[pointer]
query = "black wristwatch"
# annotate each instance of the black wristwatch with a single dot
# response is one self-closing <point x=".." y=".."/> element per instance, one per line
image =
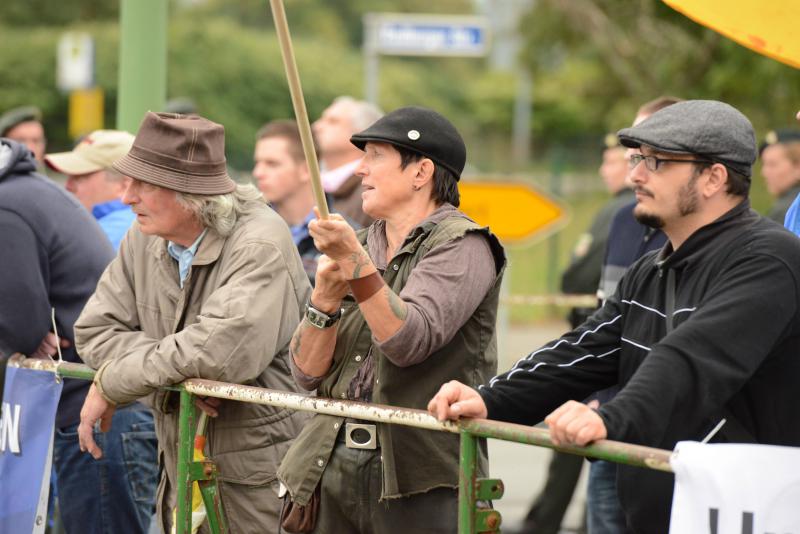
<point x="321" y="319"/>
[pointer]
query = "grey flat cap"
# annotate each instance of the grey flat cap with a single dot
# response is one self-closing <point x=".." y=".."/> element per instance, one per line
<point x="706" y="128"/>
<point x="15" y="116"/>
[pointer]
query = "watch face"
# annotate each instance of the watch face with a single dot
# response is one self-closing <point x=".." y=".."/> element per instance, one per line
<point x="317" y="318"/>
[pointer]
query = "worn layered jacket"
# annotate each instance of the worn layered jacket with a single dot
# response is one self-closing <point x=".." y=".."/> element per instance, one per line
<point x="232" y="321"/>
<point x="694" y="335"/>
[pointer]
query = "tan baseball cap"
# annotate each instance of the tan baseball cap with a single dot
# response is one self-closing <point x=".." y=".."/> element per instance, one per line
<point x="97" y="151"/>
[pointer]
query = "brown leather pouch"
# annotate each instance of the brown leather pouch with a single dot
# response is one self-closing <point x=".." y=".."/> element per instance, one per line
<point x="296" y="519"/>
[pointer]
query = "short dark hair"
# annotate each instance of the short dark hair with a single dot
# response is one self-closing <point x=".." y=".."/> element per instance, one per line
<point x="445" y="185"/>
<point x="738" y="184"/>
<point x="287" y="129"/>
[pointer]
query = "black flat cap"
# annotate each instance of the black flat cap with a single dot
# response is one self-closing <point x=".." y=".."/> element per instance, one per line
<point x="706" y="128"/>
<point x="776" y="137"/>
<point x="420" y="130"/>
<point x="15" y="116"/>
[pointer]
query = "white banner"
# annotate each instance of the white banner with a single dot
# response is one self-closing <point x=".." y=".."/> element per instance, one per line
<point x="735" y="488"/>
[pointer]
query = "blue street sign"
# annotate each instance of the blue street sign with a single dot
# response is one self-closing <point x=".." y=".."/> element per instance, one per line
<point x="430" y="36"/>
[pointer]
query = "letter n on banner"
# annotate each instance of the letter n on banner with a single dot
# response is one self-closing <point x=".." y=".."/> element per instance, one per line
<point x="732" y="488"/>
<point x="30" y="399"/>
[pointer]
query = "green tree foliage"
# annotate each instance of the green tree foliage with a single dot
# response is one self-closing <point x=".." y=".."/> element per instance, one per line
<point x="16" y="13"/>
<point x="595" y="61"/>
<point x="235" y="76"/>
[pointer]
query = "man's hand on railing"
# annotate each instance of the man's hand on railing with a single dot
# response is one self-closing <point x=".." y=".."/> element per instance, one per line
<point x="95" y="408"/>
<point x="208" y="404"/>
<point x="575" y="423"/>
<point x="48" y="347"/>
<point x="455" y="400"/>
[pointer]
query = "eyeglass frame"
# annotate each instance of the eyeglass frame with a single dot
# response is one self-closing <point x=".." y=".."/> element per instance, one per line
<point x="636" y="159"/>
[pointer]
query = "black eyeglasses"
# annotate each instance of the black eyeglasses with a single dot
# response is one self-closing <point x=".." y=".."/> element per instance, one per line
<point x="653" y="163"/>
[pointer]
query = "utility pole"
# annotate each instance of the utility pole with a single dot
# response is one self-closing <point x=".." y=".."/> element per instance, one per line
<point x="142" y="61"/>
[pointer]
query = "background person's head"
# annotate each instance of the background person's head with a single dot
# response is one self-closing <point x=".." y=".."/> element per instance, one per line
<point x="344" y="117"/>
<point x="179" y="179"/>
<point x="652" y="106"/>
<point x="412" y="155"/>
<point x="780" y="161"/>
<point x="614" y="168"/>
<point x="24" y="125"/>
<point x="90" y="176"/>
<point x="280" y="167"/>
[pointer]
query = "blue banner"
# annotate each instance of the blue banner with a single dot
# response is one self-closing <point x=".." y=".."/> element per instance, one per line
<point x="30" y="399"/>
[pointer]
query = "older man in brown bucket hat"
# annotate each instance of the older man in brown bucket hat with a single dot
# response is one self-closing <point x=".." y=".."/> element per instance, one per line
<point x="207" y="284"/>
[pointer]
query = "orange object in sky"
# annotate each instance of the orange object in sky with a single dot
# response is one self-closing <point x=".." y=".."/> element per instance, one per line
<point x="768" y="27"/>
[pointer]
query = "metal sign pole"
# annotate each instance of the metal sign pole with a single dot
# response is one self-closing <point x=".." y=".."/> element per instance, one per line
<point x="285" y="40"/>
<point x="371" y="59"/>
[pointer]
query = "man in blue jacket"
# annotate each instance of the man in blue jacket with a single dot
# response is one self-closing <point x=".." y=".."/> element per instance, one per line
<point x="96" y="184"/>
<point x="706" y="329"/>
<point x="53" y="253"/>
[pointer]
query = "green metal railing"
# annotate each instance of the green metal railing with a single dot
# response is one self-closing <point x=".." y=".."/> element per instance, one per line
<point x="471" y="518"/>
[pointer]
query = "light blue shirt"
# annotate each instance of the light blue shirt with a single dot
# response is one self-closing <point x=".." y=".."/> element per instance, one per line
<point x="114" y="218"/>
<point x="184" y="256"/>
<point x="300" y="231"/>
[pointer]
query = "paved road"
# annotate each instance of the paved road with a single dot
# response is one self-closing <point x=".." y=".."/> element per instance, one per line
<point x="523" y="467"/>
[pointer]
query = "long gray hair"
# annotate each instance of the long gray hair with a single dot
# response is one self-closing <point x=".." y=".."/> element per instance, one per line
<point x="220" y="212"/>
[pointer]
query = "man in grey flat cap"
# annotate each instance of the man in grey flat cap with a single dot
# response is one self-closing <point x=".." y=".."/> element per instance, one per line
<point x="208" y="284"/>
<point x="707" y="328"/>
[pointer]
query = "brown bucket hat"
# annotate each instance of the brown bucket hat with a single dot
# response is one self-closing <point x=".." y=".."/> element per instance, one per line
<point x="179" y="152"/>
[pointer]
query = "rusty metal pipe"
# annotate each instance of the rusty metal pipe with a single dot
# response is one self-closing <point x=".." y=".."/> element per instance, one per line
<point x="614" y="451"/>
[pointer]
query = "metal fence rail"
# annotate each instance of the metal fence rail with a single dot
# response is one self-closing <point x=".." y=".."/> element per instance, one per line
<point x="471" y="489"/>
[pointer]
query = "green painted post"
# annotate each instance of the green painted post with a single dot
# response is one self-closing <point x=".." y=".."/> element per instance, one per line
<point x="186" y="425"/>
<point x="466" y="483"/>
<point x="142" y="61"/>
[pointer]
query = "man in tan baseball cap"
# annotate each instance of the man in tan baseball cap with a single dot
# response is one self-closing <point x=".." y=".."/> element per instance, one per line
<point x="94" y="182"/>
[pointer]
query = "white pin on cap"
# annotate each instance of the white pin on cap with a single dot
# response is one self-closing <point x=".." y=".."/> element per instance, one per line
<point x="413" y="135"/>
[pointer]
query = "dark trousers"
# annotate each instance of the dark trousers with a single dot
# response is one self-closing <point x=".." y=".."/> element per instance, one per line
<point x="547" y="511"/>
<point x="349" y="500"/>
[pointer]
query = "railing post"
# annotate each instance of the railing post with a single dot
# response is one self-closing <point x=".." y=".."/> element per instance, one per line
<point x="186" y="425"/>
<point x="466" y="483"/>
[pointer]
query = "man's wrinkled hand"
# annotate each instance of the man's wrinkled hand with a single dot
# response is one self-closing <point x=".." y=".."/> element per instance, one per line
<point x="209" y="405"/>
<point x="455" y="400"/>
<point x="49" y="346"/>
<point x="95" y="408"/>
<point x="575" y="423"/>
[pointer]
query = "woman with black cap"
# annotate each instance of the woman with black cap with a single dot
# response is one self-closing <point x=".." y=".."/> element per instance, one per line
<point x="398" y="308"/>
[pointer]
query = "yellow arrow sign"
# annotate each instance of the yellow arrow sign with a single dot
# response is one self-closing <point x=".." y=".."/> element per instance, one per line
<point x="769" y="28"/>
<point x="515" y="211"/>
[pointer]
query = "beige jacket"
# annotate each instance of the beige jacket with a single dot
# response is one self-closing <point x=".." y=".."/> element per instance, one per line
<point x="232" y="321"/>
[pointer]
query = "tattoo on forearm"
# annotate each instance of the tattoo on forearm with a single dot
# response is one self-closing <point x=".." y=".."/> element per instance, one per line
<point x="361" y="259"/>
<point x="397" y="305"/>
<point x="294" y="347"/>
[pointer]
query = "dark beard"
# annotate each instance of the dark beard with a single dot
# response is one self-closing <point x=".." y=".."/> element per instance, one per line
<point x="648" y="219"/>
<point x="688" y="199"/>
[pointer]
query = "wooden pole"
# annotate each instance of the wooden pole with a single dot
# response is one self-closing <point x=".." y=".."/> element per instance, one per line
<point x="285" y="40"/>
